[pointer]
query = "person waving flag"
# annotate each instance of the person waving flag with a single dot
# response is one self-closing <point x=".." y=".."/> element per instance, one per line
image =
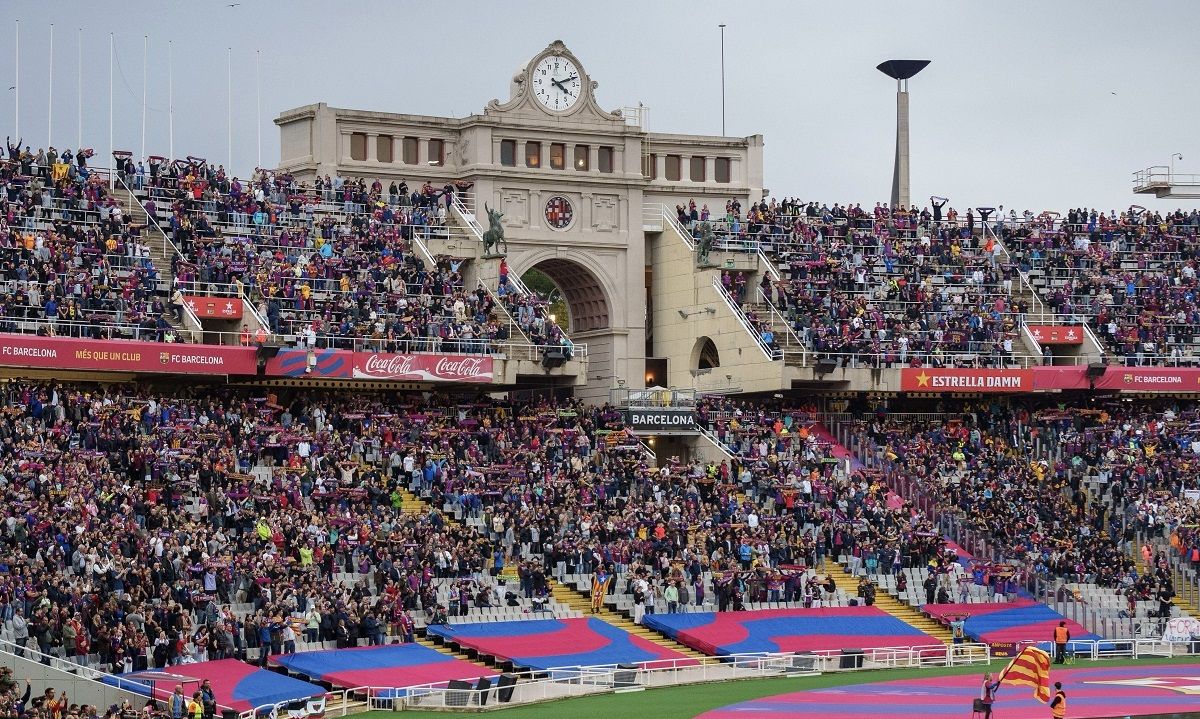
<point x="1031" y="668"/>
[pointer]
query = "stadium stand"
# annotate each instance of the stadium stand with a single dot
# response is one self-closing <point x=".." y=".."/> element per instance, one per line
<point x="312" y="530"/>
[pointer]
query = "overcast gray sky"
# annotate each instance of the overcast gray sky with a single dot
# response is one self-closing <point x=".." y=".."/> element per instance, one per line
<point x="1034" y="104"/>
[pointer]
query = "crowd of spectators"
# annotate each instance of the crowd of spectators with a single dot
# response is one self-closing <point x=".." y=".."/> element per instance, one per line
<point x="1063" y="492"/>
<point x="1131" y="275"/>
<point x="332" y="264"/>
<point x="74" y="263"/>
<point x="139" y="521"/>
<point x="857" y="282"/>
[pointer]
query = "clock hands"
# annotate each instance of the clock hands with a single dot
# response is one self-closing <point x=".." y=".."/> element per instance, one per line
<point x="560" y="86"/>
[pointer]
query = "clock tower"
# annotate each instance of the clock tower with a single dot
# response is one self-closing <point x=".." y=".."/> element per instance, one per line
<point x="555" y="83"/>
<point x="581" y="190"/>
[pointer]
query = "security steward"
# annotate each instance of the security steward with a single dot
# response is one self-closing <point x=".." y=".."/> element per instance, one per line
<point x="1062" y="635"/>
<point x="1058" y="705"/>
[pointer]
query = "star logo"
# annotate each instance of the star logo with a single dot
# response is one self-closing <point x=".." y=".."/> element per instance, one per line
<point x="1071" y="335"/>
<point x="228" y="308"/>
<point x="1182" y="685"/>
<point x="923" y="379"/>
<point x="1037" y="334"/>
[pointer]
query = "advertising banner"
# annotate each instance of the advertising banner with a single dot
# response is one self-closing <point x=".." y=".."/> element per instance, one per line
<point x="344" y="364"/>
<point x="1150" y="379"/>
<point x="222" y="308"/>
<point x="933" y="379"/>
<point x="294" y="362"/>
<point x="422" y="368"/>
<point x="660" y="419"/>
<point x="1057" y="334"/>
<point x="124" y="356"/>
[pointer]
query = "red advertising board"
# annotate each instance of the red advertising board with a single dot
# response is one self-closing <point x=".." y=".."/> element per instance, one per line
<point x="224" y="308"/>
<point x="1070" y="377"/>
<point x="124" y="356"/>
<point x="1057" y="334"/>
<point x="1150" y="379"/>
<point x="1117" y="378"/>
<point x="422" y="368"/>
<point x="933" y="379"/>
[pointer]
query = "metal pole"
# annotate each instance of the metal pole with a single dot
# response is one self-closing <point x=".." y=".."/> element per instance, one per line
<point x="722" y="26"/>
<point x="171" y="98"/>
<point x="17" y="84"/>
<point x="111" y="174"/>
<point x="229" y="108"/>
<point x="79" y="97"/>
<point x="258" y="90"/>
<point x="50" y="93"/>
<point x="145" y="66"/>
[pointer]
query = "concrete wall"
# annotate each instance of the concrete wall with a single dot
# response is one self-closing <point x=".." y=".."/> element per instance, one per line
<point x="680" y="285"/>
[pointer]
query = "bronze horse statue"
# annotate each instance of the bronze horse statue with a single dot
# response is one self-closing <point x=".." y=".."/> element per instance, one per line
<point x="494" y="236"/>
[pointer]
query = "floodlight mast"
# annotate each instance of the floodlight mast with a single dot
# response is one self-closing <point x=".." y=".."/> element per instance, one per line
<point x="901" y="71"/>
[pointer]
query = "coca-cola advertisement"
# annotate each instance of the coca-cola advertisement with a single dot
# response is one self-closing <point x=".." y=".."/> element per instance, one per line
<point x="423" y="368"/>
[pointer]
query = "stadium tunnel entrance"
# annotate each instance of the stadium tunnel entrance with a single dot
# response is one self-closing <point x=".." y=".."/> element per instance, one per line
<point x="588" y="308"/>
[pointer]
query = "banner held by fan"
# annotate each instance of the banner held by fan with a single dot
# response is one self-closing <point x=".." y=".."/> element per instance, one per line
<point x="1030" y="668"/>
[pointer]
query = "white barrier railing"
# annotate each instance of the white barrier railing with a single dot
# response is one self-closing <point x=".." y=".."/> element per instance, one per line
<point x="744" y="321"/>
<point x="1098" y="649"/>
<point x="715" y="441"/>
<point x="564" y="682"/>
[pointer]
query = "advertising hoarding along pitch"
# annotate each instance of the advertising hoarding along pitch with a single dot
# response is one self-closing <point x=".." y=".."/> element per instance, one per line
<point x="936" y="379"/>
<point x="124" y="356"/>
<point x="343" y="364"/>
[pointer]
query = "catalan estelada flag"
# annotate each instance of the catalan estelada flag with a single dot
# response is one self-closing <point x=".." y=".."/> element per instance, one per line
<point x="1030" y="668"/>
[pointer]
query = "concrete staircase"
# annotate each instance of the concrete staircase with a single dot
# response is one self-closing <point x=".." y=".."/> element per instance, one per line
<point x="160" y="257"/>
<point x="415" y="507"/>
<point x="904" y="612"/>
<point x="1186" y="605"/>
<point x="581" y="602"/>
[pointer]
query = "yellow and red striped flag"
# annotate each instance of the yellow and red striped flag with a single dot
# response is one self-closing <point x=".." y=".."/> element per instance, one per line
<point x="1030" y="668"/>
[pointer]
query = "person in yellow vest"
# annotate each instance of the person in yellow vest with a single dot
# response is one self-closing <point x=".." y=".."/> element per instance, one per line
<point x="1058" y="705"/>
<point x="195" y="708"/>
<point x="1062" y="635"/>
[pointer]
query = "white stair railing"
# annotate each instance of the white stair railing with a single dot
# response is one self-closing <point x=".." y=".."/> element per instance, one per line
<point x="744" y="321"/>
<point x="714" y="441"/>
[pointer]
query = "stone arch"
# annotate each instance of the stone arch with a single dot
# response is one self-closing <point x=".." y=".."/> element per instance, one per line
<point x="583" y="288"/>
<point x="704" y="354"/>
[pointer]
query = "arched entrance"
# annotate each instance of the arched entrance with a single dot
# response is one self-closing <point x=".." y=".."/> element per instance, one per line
<point x="596" y="288"/>
<point x="705" y="355"/>
<point x="586" y="300"/>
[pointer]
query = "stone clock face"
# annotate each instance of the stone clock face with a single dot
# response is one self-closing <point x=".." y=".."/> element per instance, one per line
<point x="559" y="212"/>
<point x="556" y="83"/>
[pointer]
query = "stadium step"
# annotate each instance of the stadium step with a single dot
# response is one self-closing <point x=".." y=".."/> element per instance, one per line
<point x="462" y="656"/>
<point x="582" y="603"/>
<point x="1185" y="605"/>
<point x="156" y="241"/>
<point x="904" y="612"/>
<point x="412" y="504"/>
